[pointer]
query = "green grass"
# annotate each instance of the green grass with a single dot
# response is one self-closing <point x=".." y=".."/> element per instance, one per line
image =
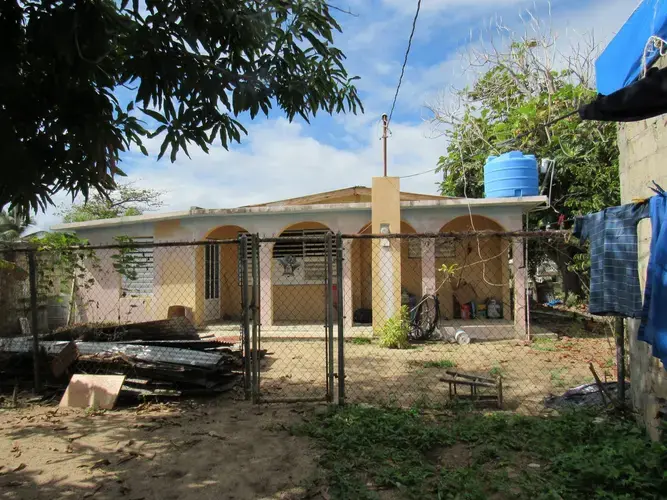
<point x="558" y="377"/>
<point x="443" y="363"/>
<point x="361" y="341"/>
<point x="543" y="344"/>
<point x="475" y="456"/>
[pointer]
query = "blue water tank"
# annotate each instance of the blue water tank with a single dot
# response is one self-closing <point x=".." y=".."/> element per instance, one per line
<point x="511" y="174"/>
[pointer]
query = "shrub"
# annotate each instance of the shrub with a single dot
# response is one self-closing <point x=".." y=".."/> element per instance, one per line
<point x="394" y="333"/>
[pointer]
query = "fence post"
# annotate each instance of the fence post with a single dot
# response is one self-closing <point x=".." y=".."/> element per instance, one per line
<point x="32" y="269"/>
<point x="255" y="317"/>
<point x="619" y="331"/>
<point x="245" y="306"/>
<point x="329" y="301"/>
<point x="341" y="322"/>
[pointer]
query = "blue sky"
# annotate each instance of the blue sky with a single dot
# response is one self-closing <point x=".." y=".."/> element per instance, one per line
<point x="280" y="159"/>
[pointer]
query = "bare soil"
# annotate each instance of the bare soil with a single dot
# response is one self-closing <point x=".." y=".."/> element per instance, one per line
<point x="531" y="371"/>
<point x="220" y="449"/>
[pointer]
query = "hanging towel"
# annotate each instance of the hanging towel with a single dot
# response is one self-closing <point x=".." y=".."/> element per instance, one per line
<point x="615" y="288"/>
<point x="653" y="328"/>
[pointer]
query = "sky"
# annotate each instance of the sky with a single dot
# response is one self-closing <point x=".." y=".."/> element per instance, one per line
<point x="281" y="159"/>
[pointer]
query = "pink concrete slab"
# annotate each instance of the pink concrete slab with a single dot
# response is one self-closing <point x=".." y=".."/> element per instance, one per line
<point x="96" y="391"/>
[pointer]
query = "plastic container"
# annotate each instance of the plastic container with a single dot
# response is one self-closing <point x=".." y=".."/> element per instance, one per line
<point x="511" y="174"/>
<point x="461" y="337"/>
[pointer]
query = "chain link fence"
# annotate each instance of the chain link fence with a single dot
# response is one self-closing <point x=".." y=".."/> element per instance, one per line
<point x="404" y="319"/>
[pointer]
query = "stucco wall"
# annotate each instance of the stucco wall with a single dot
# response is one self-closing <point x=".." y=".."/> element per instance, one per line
<point x="643" y="149"/>
<point x="180" y="270"/>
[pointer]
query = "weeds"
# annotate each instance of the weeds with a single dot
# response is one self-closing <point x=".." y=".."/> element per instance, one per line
<point x="573" y="456"/>
<point x="546" y="345"/>
<point x="394" y="333"/>
<point x="557" y="377"/>
<point x="361" y="341"/>
<point x="497" y="371"/>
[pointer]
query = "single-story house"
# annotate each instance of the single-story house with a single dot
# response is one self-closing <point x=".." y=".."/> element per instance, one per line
<point x="205" y="278"/>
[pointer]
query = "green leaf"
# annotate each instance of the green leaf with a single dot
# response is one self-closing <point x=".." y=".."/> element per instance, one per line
<point x="155" y="115"/>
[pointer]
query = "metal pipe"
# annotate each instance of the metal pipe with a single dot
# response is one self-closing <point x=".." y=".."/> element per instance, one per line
<point x="341" y="325"/>
<point x="329" y="295"/>
<point x="245" y="304"/>
<point x="32" y="269"/>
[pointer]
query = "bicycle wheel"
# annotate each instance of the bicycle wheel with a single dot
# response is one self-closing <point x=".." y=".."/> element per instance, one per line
<point x="428" y="314"/>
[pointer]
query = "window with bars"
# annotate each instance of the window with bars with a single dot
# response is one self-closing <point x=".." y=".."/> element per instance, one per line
<point x="140" y="269"/>
<point x="212" y="271"/>
<point x="308" y="249"/>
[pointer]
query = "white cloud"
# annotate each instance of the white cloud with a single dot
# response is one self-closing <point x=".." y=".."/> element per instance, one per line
<point x="279" y="161"/>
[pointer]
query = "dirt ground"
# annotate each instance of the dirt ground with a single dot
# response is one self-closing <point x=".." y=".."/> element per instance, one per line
<point x="221" y="449"/>
<point x="531" y="371"/>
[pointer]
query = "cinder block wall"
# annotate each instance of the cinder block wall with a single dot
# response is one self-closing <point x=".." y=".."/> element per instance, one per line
<point x="643" y="158"/>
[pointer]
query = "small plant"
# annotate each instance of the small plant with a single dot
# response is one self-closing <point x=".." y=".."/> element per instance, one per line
<point x="361" y="341"/>
<point x="497" y="371"/>
<point x="394" y="333"/>
<point x="572" y="300"/>
<point x="444" y="363"/>
<point x="609" y="363"/>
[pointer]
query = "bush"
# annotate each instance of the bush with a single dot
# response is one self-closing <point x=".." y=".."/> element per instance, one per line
<point x="394" y="333"/>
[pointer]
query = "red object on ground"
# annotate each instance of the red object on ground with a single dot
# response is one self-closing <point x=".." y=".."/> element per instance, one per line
<point x="465" y="311"/>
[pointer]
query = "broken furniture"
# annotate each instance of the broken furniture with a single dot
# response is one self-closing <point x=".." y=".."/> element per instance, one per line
<point x="492" y="388"/>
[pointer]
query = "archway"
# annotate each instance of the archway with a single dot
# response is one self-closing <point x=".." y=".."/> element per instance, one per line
<point x="218" y="275"/>
<point x="478" y="267"/>
<point x="298" y="274"/>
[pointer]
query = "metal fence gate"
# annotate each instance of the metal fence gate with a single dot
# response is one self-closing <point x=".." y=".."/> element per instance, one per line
<point x="293" y="360"/>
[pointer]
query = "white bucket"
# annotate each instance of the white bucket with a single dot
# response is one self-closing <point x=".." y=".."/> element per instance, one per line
<point x="461" y="337"/>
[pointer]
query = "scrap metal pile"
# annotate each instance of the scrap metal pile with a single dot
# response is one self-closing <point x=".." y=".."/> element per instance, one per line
<point x="164" y="358"/>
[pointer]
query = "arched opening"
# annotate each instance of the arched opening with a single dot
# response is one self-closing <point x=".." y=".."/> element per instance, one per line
<point x="477" y="270"/>
<point x="362" y="270"/>
<point x="219" y="275"/>
<point x="298" y="274"/>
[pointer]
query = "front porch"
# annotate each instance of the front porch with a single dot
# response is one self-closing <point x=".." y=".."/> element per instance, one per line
<point x="477" y="329"/>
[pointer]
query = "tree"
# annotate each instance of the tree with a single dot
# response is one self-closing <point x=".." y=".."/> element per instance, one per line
<point x="520" y="90"/>
<point x="190" y="67"/>
<point x="124" y="200"/>
<point x="12" y="225"/>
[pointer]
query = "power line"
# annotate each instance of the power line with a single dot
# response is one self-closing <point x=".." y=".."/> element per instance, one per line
<point x="419" y="173"/>
<point x="405" y="60"/>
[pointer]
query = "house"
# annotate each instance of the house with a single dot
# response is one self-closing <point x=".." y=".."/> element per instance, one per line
<point x="205" y="278"/>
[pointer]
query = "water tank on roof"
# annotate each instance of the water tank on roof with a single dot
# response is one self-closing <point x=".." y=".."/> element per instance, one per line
<point x="511" y="174"/>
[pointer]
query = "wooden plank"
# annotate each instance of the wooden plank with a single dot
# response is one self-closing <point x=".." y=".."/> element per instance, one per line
<point x="96" y="391"/>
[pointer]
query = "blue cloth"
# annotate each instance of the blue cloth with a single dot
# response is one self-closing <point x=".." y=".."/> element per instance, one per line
<point x="615" y="288"/>
<point x="653" y="328"/>
<point x="621" y="62"/>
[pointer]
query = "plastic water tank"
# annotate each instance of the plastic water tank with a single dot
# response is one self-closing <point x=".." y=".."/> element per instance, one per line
<point x="511" y="174"/>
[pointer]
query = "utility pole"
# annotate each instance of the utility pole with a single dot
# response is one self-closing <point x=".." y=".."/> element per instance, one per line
<point x="385" y="128"/>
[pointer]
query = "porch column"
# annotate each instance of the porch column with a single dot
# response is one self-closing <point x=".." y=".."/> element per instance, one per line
<point x="265" y="284"/>
<point x="348" y="306"/>
<point x="520" y="305"/>
<point x="428" y="265"/>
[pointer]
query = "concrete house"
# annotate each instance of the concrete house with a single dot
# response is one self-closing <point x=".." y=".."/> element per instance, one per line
<point x="205" y="278"/>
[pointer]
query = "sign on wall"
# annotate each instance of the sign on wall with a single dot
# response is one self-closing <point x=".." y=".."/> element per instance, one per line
<point x="290" y="270"/>
<point x="445" y="248"/>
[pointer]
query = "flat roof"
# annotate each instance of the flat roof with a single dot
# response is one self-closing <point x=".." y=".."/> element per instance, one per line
<point x="525" y="203"/>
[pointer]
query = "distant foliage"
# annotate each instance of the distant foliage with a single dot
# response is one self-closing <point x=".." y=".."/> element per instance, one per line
<point x="123" y="201"/>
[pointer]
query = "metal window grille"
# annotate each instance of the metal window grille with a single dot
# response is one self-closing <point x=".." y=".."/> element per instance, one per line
<point x="212" y="271"/>
<point x="140" y="261"/>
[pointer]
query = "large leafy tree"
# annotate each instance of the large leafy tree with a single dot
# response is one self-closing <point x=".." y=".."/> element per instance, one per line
<point x="125" y="200"/>
<point x="188" y="67"/>
<point x="519" y="92"/>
